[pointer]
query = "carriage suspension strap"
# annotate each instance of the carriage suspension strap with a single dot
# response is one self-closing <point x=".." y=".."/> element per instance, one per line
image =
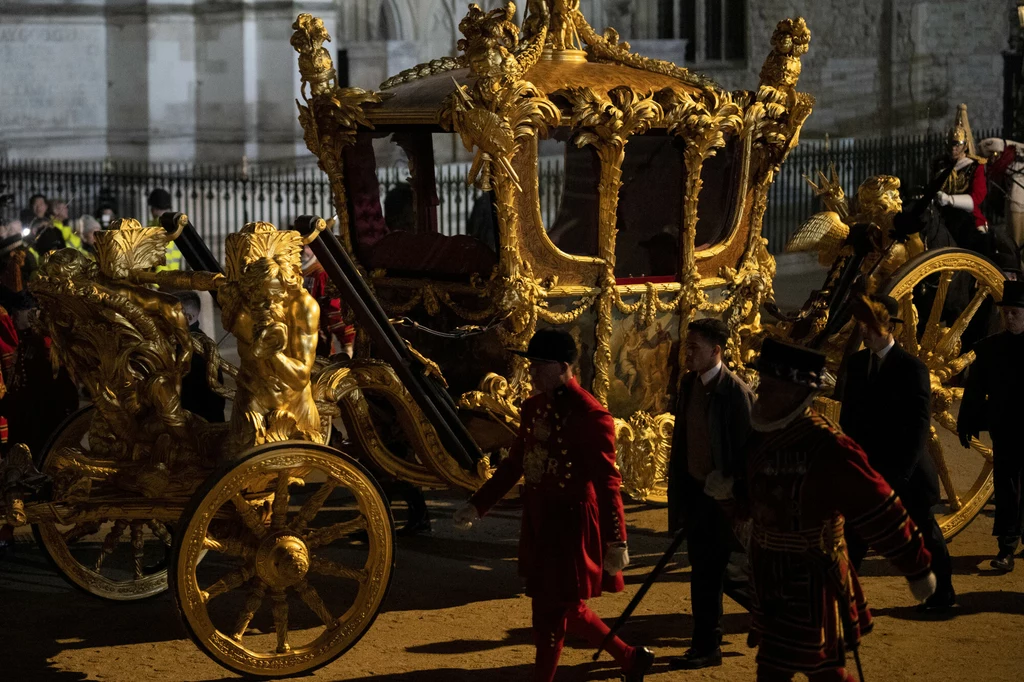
<point x="458" y="334"/>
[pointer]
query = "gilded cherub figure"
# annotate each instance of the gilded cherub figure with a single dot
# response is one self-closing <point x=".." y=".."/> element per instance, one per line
<point x="276" y="323"/>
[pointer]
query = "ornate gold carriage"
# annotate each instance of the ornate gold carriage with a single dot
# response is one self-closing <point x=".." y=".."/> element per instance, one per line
<point x="251" y="522"/>
<point x="658" y="222"/>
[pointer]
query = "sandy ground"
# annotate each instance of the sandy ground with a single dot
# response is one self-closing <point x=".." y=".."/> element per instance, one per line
<point x="456" y="613"/>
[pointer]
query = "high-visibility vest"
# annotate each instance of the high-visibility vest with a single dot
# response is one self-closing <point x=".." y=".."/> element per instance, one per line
<point x="175" y="259"/>
<point x="173" y="256"/>
<point x="71" y="240"/>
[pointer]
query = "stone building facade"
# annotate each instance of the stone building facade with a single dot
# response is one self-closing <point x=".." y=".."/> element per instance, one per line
<point x="216" y="80"/>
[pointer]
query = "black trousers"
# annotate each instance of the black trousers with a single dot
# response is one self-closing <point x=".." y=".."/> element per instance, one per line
<point x="1008" y="476"/>
<point x="922" y="516"/>
<point x="709" y="540"/>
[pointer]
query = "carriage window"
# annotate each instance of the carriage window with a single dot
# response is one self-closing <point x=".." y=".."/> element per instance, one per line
<point x="718" y="195"/>
<point x="650" y="208"/>
<point x="422" y="223"/>
<point x="570" y="202"/>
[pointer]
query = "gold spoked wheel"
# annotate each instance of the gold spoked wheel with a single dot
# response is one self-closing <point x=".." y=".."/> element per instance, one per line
<point x="111" y="558"/>
<point x="299" y="554"/>
<point x="946" y="298"/>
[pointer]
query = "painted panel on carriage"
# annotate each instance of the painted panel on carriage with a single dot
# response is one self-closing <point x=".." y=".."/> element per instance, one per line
<point x="644" y="361"/>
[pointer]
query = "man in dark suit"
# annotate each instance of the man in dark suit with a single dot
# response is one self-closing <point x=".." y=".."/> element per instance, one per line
<point x="886" y="409"/>
<point x="993" y="402"/>
<point x="708" y="459"/>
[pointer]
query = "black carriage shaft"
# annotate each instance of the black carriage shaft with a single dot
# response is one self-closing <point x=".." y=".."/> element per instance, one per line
<point x="195" y="251"/>
<point x="434" y="400"/>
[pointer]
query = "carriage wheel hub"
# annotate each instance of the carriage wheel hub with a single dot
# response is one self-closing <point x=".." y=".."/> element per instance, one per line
<point x="282" y="560"/>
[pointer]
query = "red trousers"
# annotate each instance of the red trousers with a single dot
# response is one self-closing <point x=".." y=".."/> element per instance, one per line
<point x="551" y="620"/>
<point x="768" y="674"/>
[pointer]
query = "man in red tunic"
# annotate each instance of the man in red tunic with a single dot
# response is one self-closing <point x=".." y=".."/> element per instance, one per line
<point x="805" y="481"/>
<point x="964" y="190"/>
<point x="573" y="540"/>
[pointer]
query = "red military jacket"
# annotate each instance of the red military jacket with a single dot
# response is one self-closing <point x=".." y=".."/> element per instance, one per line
<point x="571" y="501"/>
<point x="804" y="481"/>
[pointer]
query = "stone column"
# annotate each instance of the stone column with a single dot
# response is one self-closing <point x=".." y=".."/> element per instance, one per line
<point x="53" y="80"/>
<point x="151" y="79"/>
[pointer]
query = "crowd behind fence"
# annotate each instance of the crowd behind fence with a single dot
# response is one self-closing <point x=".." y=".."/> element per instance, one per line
<point x="220" y="199"/>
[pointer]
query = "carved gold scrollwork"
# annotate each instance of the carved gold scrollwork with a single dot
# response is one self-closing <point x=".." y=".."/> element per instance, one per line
<point x="607" y="122"/>
<point x="494" y="117"/>
<point x="331" y="115"/>
<point x="644" y="445"/>
<point x="648" y="305"/>
<point x="495" y="397"/>
<point x="702" y="122"/>
<point x="349" y="385"/>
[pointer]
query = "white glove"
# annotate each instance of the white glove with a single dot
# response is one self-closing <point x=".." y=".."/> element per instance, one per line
<point x="922" y="588"/>
<point x="616" y="558"/>
<point x="943" y="199"/>
<point x="718" y="486"/>
<point x="466" y="516"/>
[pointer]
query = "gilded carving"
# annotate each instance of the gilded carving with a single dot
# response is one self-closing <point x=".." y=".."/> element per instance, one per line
<point x="607" y="122"/>
<point x="703" y="122"/>
<point x="331" y="115"/>
<point x="644" y="444"/>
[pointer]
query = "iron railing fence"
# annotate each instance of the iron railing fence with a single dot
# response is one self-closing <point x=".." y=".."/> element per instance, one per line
<point x="220" y="199"/>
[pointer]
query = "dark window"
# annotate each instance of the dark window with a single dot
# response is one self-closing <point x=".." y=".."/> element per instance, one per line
<point x="650" y="208"/>
<point x="575" y="225"/>
<point x="688" y="27"/>
<point x="666" y="19"/>
<point x="713" y="29"/>
<point x="342" y="69"/>
<point x="722" y="33"/>
<point x="736" y="29"/>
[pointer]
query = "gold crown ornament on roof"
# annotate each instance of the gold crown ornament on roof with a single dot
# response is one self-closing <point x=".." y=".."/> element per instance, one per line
<point x="126" y="245"/>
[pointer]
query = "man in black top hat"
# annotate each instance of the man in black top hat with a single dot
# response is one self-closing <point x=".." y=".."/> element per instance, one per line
<point x="993" y="402"/>
<point x="573" y="540"/>
<point x="886" y="408"/>
<point x="806" y="481"/>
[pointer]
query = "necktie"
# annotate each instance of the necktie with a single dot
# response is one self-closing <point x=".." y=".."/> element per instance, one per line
<point x="872" y="367"/>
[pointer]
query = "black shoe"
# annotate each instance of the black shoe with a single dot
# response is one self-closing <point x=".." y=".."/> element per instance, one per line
<point x="1003" y="562"/>
<point x="414" y="528"/>
<point x="695" y="660"/>
<point x="643" y="661"/>
<point x="940" y="602"/>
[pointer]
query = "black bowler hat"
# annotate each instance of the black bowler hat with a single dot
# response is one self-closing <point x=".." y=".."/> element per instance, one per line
<point x="551" y="345"/>
<point x="160" y="199"/>
<point x="1013" y="294"/>
<point x="890" y="304"/>
<point x="791" y="363"/>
